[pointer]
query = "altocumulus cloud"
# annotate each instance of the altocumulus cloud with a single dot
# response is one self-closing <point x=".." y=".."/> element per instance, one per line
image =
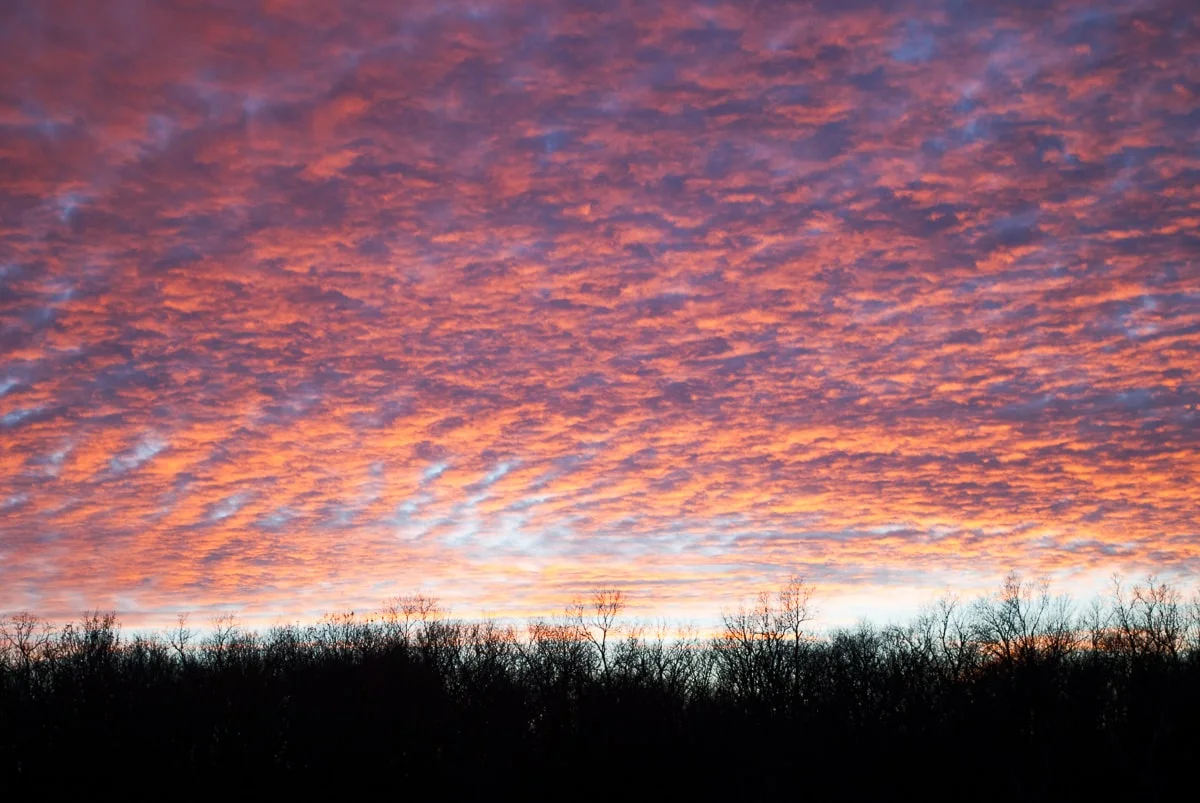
<point x="312" y="298"/>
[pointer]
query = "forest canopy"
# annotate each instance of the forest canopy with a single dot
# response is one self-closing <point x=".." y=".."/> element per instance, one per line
<point x="1019" y="686"/>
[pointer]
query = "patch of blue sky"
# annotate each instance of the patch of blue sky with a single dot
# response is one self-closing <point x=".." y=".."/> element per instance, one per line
<point x="916" y="46"/>
<point x="496" y="473"/>
<point x="137" y="456"/>
<point x="529" y="502"/>
<point x="511" y="535"/>
<point x="67" y="203"/>
<point x="15" y="417"/>
<point x="337" y="516"/>
<point x="16" y="500"/>
<point x="228" y="506"/>
<point x="276" y="519"/>
<point x="434" y="471"/>
<point x="465" y="534"/>
<point x="480" y="489"/>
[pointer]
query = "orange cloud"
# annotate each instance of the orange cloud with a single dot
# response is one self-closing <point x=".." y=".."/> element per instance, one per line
<point x="306" y="305"/>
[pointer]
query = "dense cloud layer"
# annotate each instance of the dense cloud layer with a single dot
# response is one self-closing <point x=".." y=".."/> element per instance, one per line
<point x="306" y="303"/>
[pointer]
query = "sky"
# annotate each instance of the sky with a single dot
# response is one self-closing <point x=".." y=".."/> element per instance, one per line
<point x="306" y="304"/>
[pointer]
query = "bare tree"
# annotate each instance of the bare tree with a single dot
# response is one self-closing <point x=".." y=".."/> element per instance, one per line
<point x="347" y="633"/>
<point x="1194" y="623"/>
<point x="762" y="645"/>
<point x="94" y="640"/>
<point x="596" y="620"/>
<point x="1095" y="624"/>
<point x="958" y="649"/>
<point x="1149" y="619"/>
<point x="405" y="616"/>
<point x="1023" y="622"/>
<point x="221" y="639"/>
<point x="795" y="611"/>
<point x="180" y="637"/>
<point x="489" y="646"/>
<point x="749" y="646"/>
<point x="665" y="656"/>
<point x="25" y="637"/>
<point x="555" y="652"/>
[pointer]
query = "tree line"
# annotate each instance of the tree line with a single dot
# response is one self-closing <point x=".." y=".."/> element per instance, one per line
<point x="1018" y="693"/>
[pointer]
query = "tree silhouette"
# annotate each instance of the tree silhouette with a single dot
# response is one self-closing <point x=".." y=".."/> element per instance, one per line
<point x="596" y="620"/>
<point x="1015" y="680"/>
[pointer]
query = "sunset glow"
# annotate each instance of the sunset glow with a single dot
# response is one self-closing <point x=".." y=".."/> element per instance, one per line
<point x="307" y="304"/>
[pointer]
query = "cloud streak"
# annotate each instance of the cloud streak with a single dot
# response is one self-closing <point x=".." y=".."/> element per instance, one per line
<point x="306" y="303"/>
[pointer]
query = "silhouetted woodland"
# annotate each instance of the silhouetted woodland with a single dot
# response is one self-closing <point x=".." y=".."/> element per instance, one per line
<point x="1017" y="695"/>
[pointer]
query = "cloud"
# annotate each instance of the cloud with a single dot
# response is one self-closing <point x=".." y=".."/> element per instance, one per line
<point x="136" y="456"/>
<point x="681" y="297"/>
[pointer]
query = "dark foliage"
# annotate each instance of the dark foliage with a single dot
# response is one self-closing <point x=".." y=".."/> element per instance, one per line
<point x="1014" y="697"/>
